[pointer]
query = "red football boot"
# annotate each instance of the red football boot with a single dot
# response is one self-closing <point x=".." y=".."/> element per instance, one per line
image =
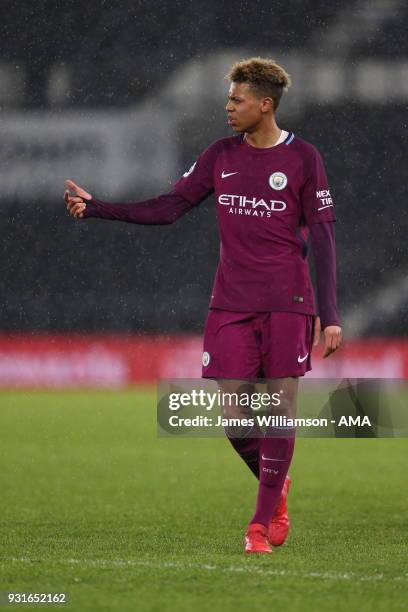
<point x="279" y="525"/>
<point x="256" y="539"/>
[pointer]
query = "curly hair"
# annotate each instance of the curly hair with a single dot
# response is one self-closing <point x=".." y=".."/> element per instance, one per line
<point x="264" y="76"/>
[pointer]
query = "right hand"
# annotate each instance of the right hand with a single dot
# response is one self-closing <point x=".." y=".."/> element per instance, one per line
<point x="76" y="203"/>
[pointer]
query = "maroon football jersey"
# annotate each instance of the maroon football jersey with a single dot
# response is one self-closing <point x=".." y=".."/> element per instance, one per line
<point x="265" y="199"/>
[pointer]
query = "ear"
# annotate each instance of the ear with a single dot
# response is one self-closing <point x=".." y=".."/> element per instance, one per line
<point x="267" y="105"/>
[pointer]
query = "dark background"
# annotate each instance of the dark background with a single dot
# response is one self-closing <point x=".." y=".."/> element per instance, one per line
<point x="60" y="275"/>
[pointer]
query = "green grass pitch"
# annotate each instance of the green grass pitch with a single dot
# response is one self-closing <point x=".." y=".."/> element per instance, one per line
<point x="94" y="504"/>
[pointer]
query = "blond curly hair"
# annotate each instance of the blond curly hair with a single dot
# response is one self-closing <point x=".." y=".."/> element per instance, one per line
<point x="265" y="77"/>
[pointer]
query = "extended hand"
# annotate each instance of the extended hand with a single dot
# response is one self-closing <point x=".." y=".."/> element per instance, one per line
<point x="332" y="337"/>
<point x="76" y="203"/>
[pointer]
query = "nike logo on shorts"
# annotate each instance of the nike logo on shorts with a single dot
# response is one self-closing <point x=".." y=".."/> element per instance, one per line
<point x="302" y="359"/>
<point x="225" y="174"/>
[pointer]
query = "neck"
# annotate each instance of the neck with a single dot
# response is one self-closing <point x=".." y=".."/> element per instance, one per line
<point x="264" y="136"/>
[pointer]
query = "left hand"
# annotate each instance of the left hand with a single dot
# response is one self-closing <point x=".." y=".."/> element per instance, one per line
<point x="332" y="337"/>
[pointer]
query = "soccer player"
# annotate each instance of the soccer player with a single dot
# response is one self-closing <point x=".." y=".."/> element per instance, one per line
<point x="271" y="193"/>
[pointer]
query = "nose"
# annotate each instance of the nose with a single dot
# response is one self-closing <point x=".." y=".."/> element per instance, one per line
<point x="229" y="108"/>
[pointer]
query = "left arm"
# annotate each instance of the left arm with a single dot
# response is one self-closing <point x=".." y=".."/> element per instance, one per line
<point x="324" y="253"/>
<point x="318" y="213"/>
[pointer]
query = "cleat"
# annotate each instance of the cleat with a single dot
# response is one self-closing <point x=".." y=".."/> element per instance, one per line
<point x="279" y="525"/>
<point x="256" y="539"/>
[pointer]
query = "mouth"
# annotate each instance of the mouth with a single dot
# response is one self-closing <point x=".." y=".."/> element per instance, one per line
<point x="231" y="121"/>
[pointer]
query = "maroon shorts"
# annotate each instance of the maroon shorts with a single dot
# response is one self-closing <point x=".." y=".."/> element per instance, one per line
<point x="248" y="345"/>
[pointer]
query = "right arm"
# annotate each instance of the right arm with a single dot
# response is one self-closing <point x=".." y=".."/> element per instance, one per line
<point x="163" y="210"/>
<point x="189" y="191"/>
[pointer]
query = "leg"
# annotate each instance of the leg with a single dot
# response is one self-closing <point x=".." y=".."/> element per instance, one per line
<point x="232" y="356"/>
<point x="244" y="441"/>
<point x="275" y="452"/>
<point x="286" y="348"/>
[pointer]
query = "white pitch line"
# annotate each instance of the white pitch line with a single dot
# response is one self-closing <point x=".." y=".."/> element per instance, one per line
<point x="249" y="569"/>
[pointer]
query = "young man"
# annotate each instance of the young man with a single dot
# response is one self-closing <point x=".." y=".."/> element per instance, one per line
<point x="271" y="191"/>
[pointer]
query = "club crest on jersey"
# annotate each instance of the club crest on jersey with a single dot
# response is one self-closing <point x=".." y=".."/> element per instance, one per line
<point x="278" y="180"/>
<point x="186" y="174"/>
<point x="206" y="359"/>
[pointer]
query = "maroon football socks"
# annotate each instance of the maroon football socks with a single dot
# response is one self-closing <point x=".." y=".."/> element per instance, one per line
<point x="275" y="456"/>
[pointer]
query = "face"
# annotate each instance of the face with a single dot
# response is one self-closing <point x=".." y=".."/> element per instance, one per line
<point x="245" y="109"/>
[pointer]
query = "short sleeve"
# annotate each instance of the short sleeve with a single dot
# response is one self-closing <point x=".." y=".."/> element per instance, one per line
<point x="316" y="199"/>
<point x="198" y="182"/>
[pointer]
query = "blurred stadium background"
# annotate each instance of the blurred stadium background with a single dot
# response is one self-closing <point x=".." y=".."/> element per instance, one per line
<point x="121" y="97"/>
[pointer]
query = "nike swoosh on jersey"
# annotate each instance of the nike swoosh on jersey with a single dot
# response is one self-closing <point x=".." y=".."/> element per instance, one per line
<point x="301" y="359"/>
<point x="225" y="174"/>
